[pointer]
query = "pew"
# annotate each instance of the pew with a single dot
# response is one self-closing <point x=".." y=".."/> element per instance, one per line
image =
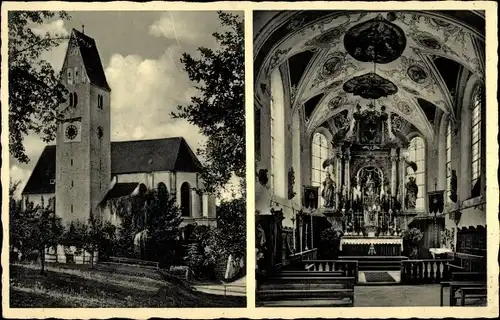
<point x="472" y="293"/>
<point x="459" y="280"/>
<point x="307" y="291"/>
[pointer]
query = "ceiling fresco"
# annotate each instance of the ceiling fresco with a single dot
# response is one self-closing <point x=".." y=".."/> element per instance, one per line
<point x="363" y="56"/>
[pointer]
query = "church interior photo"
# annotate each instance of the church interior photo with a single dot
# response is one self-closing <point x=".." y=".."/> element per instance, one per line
<point x="370" y="140"/>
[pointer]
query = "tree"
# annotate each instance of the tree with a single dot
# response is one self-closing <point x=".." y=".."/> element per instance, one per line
<point x="219" y="112"/>
<point x="229" y="238"/>
<point x="163" y="219"/>
<point x="35" y="91"/>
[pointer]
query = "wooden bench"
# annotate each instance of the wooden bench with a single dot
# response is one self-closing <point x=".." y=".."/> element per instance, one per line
<point x="307" y="290"/>
<point x="472" y="293"/>
<point x="461" y="277"/>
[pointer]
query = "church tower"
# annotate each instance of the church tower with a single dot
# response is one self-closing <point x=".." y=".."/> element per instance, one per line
<point x="83" y="150"/>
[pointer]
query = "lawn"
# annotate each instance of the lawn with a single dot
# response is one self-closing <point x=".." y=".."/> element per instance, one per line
<point x="78" y="286"/>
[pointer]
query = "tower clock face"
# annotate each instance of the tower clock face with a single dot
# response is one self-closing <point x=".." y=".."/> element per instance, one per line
<point x="71" y="132"/>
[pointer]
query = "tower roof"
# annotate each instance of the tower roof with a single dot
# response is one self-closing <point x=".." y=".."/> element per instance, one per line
<point x="138" y="156"/>
<point x="91" y="59"/>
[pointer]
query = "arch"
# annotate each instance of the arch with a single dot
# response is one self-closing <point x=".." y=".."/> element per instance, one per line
<point x="277" y="119"/>
<point x="186" y="199"/>
<point x="162" y="188"/>
<point x="417" y="154"/>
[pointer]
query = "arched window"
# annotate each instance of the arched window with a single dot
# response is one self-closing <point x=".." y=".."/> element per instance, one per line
<point x="75" y="99"/>
<point x="448" y="163"/>
<point x="319" y="155"/>
<point x="162" y="189"/>
<point x="186" y="199"/>
<point x="277" y="106"/>
<point x="416" y="153"/>
<point x="476" y="134"/>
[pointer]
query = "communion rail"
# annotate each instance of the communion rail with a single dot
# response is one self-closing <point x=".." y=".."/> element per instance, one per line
<point x="348" y="267"/>
<point x="424" y="271"/>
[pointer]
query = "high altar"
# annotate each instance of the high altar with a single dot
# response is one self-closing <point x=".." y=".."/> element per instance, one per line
<point x="366" y="192"/>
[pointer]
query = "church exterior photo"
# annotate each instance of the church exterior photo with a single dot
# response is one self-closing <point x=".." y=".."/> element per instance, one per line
<point x="85" y="171"/>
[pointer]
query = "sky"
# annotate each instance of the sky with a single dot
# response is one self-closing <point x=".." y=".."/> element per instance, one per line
<point x="140" y="53"/>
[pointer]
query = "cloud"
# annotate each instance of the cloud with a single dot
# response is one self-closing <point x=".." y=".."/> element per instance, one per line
<point x="56" y="29"/>
<point x="144" y="93"/>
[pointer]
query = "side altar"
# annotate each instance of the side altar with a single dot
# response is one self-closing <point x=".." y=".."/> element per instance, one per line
<point x="369" y="192"/>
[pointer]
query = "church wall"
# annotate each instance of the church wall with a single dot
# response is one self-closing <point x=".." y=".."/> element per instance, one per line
<point x="461" y="162"/>
<point x="264" y="194"/>
<point x="173" y="180"/>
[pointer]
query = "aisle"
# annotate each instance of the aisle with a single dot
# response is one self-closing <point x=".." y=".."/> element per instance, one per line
<point x="235" y="288"/>
<point x="398" y="296"/>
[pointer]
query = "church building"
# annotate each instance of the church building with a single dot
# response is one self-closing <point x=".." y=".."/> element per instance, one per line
<point x="371" y="124"/>
<point x="84" y="170"/>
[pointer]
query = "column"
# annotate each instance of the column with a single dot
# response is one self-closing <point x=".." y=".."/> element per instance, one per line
<point x="347" y="171"/>
<point x="402" y="180"/>
<point x="301" y="224"/>
<point x="205" y="205"/>
<point x="312" y="234"/>
<point x="394" y="169"/>
<point x="338" y="167"/>
<point x="195" y="204"/>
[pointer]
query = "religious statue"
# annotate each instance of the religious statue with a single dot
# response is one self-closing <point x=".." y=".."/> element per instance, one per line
<point x="411" y="193"/>
<point x="369" y="185"/>
<point x="328" y="192"/>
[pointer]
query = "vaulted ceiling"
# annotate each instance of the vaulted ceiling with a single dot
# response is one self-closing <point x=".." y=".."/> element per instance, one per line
<point x="408" y="61"/>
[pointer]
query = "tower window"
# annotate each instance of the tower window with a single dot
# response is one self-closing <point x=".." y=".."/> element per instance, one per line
<point x="71" y="99"/>
<point x="71" y="162"/>
<point x="70" y="76"/>
<point x="75" y="99"/>
<point x="72" y="184"/>
<point x="71" y="208"/>
<point x="76" y="75"/>
<point x="100" y="101"/>
<point x="100" y="132"/>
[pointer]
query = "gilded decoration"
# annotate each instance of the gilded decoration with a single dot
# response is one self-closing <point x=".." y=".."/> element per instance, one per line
<point x="377" y="40"/>
<point x="341" y="120"/>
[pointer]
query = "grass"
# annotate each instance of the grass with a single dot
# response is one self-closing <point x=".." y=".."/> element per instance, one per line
<point x="78" y="286"/>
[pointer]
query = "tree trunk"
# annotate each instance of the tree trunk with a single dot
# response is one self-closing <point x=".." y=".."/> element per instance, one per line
<point x="92" y="259"/>
<point x="42" y="260"/>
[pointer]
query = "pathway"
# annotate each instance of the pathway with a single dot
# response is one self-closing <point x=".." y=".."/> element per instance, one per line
<point x="235" y="288"/>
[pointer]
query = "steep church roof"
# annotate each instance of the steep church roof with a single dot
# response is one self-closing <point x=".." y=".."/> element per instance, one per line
<point x="167" y="154"/>
<point x="91" y="59"/>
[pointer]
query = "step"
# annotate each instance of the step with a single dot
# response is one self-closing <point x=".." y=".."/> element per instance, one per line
<point x="307" y="303"/>
<point x="368" y="258"/>
<point x="304" y="286"/>
<point x="292" y="294"/>
<point x="309" y="279"/>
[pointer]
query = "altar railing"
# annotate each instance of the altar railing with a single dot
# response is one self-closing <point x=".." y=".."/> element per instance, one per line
<point x="425" y="271"/>
<point x="349" y="267"/>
